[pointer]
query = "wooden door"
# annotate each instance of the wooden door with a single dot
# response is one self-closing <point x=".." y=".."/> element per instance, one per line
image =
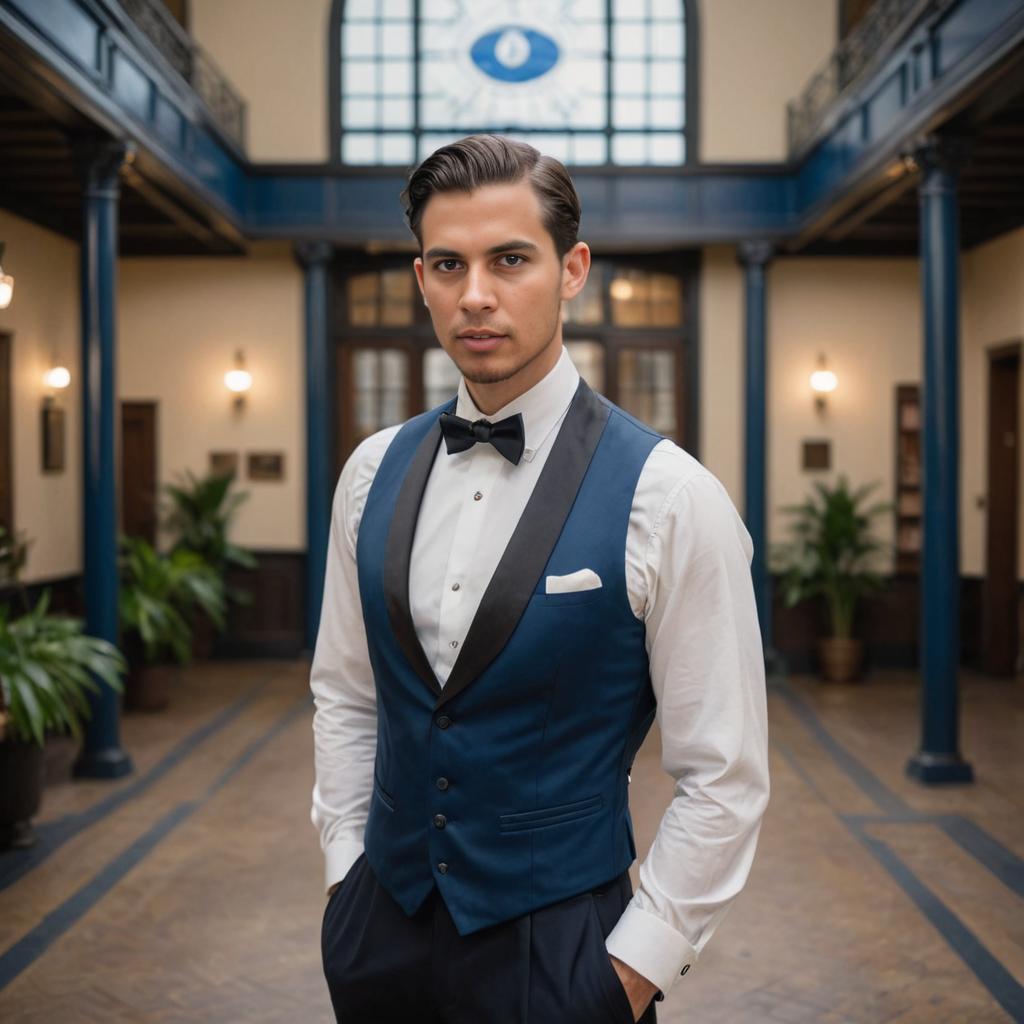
<point x="138" y="470"/>
<point x="999" y="600"/>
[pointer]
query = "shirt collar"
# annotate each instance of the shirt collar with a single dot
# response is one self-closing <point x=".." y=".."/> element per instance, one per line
<point x="542" y="406"/>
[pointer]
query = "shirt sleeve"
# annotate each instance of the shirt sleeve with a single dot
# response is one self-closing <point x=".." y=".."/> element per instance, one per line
<point x="707" y="673"/>
<point x="341" y="678"/>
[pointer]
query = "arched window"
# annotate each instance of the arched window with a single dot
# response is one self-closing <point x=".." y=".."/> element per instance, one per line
<point x="588" y="81"/>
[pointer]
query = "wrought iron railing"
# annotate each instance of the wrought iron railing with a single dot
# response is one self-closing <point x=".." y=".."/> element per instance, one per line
<point x="192" y="63"/>
<point x="883" y="27"/>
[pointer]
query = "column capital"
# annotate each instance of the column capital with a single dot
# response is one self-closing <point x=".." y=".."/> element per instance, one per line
<point x="99" y="161"/>
<point x="755" y="252"/>
<point x="313" y="254"/>
<point x="940" y="152"/>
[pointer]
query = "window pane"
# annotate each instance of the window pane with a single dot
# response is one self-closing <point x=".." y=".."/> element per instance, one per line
<point x="396" y="297"/>
<point x="440" y="377"/>
<point x="586" y="308"/>
<point x="642" y="299"/>
<point x="588" y="357"/>
<point x="359" y="113"/>
<point x="362" y="300"/>
<point x="667" y="149"/>
<point x="359" y="39"/>
<point x="647" y="387"/>
<point x="396" y="149"/>
<point x="380" y="389"/>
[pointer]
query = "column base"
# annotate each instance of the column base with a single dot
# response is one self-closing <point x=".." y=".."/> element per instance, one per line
<point x="931" y="768"/>
<point x="111" y="763"/>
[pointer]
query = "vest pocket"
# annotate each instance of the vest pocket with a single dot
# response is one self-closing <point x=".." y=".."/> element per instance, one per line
<point x="556" y="815"/>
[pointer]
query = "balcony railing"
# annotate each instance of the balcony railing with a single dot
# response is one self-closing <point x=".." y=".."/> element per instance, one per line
<point x="189" y="60"/>
<point x="886" y="24"/>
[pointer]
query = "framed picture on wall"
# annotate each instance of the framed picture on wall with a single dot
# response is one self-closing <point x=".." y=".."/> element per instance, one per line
<point x="223" y="463"/>
<point x="266" y="465"/>
<point x="53" y="439"/>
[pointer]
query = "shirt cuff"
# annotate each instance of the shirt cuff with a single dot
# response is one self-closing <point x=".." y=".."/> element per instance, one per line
<point x="339" y="857"/>
<point x="652" y="947"/>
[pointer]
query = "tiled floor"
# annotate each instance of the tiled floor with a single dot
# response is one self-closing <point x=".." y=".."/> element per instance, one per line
<point x="191" y="890"/>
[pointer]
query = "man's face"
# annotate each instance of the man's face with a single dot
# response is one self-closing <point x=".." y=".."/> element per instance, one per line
<point x="490" y="267"/>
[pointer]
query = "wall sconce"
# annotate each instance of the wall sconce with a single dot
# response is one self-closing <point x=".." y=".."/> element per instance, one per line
<point x="6" y="283"/>
<point x="238" y="381"/>
<point x="822" y="382"/>
<point x="57" y="377"/>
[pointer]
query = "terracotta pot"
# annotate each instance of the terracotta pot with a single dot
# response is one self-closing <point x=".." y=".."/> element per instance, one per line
<point x="840" y="658"/>
<point x="21" y="791"/>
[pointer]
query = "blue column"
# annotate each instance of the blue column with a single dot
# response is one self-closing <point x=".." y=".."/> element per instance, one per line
<point x="938" y="759"/>
<point x="100" y="164"/>
<point x="755" y="256"/>
<point x="315" y="259"/>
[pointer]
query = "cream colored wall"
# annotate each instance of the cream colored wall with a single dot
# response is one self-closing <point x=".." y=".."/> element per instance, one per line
<point x="44" y="321"/>
<point x="756" y="56"/>
<point x="992" y="315"/>
<point x="275" y="55"/>
<point x="864" y="315"/>
<point x="180" y="323"/>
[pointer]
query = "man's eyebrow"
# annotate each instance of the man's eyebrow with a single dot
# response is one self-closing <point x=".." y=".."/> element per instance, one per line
<point x="451" y="254"/>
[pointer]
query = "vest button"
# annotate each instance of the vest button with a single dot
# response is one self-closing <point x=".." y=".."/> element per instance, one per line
<point x="440" y="820"/>
<point x="686" y="967"/>
<point x="443" y="868"/>
<point x="443" y="721"/>
<point x="442" y="783"/>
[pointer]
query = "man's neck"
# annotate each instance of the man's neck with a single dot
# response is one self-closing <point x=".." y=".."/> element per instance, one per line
<point x="489" y="398"/>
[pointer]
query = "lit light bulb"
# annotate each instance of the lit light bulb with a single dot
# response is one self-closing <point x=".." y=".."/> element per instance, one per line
<point x="823" y="381"/>
<point x="238" y="380"/>
<point x="6" y="289"/>
<point x="58" y="377"/>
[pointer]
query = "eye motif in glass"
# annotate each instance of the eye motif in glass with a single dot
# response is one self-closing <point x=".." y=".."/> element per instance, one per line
<point x="514" y="53"/>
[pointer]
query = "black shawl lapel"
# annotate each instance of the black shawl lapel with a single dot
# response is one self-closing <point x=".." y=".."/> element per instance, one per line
<point x="532" y="541"/>
<point x="399" y="553"/>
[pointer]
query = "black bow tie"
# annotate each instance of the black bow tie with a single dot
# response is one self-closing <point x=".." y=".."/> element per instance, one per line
<point x="507" y="435"/>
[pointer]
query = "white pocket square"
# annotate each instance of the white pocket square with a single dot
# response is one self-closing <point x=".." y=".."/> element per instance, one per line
<point x="582" y="579"/>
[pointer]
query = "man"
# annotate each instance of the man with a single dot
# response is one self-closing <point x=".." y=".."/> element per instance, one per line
<point x="518" y="583"/>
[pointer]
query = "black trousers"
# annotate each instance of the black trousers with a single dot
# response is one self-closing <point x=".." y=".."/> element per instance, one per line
<point x="549" y="966"/>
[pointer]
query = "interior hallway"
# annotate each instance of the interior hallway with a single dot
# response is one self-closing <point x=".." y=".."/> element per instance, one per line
<point x="192" y="890"/>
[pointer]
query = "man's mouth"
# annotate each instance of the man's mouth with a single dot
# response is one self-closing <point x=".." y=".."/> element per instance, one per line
<point x="482" y="341"/>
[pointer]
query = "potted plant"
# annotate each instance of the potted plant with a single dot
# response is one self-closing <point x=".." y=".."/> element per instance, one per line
<point x="13" y="554"/>
<point x="158" y="594"/>
<point x="46" y="666"/>
<point x="200" y="511"/>
<point x="832" y="553"/>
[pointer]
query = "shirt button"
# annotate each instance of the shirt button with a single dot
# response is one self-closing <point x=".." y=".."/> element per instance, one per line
<point x="443" y="721"/>
<point x="686" y="967"/>
<point x="477" y="496"/>
<point x="456" y="586"/>
<point x="443" y="868"/>
<point x="442" y="783"/>
<point x="440" y="820"/>
<point x="454" y="643"/>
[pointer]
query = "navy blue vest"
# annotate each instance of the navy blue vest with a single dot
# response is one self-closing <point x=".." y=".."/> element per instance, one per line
<point x="507" y="787"/>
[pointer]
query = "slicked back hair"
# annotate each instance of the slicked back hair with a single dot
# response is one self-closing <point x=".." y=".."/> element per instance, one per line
<point x="476" y="160"/>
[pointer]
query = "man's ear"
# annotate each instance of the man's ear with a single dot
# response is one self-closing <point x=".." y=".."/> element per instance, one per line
<point x="417" y="265"/>
<point x="575" y="268"/>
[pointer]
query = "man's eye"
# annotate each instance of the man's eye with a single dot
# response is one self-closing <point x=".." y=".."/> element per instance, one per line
<point x="512" y="256"/>
<point x="443" y="264"/>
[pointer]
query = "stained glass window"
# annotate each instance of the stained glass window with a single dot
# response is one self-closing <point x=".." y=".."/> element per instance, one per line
<point x="588" y="81"/>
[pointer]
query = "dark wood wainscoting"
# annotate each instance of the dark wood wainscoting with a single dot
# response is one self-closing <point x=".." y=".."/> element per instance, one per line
<point x="273" y="625"/>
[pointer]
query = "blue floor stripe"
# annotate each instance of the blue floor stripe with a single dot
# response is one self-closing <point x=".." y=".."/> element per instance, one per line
<point x="52" y="835"/>
<point x="990" y="972"/>
<point x="31" y="946"/>
<point x="986" y="849"/>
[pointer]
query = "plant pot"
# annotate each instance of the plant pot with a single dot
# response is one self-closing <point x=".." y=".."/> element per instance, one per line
<point x="840" y="658"/>
<point x="149" y="687"/>
<point x="21" y="791"/>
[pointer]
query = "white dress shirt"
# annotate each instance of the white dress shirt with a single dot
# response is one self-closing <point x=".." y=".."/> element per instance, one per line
<point x="687" y="563"/>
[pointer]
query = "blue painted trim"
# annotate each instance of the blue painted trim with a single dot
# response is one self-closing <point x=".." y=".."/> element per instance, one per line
<point x="92" y="54"/>
<point x="52" y="835"/>
<point x="34" y="944"/>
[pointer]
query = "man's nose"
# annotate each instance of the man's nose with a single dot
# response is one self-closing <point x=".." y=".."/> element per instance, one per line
<point x="478" y="290"/>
